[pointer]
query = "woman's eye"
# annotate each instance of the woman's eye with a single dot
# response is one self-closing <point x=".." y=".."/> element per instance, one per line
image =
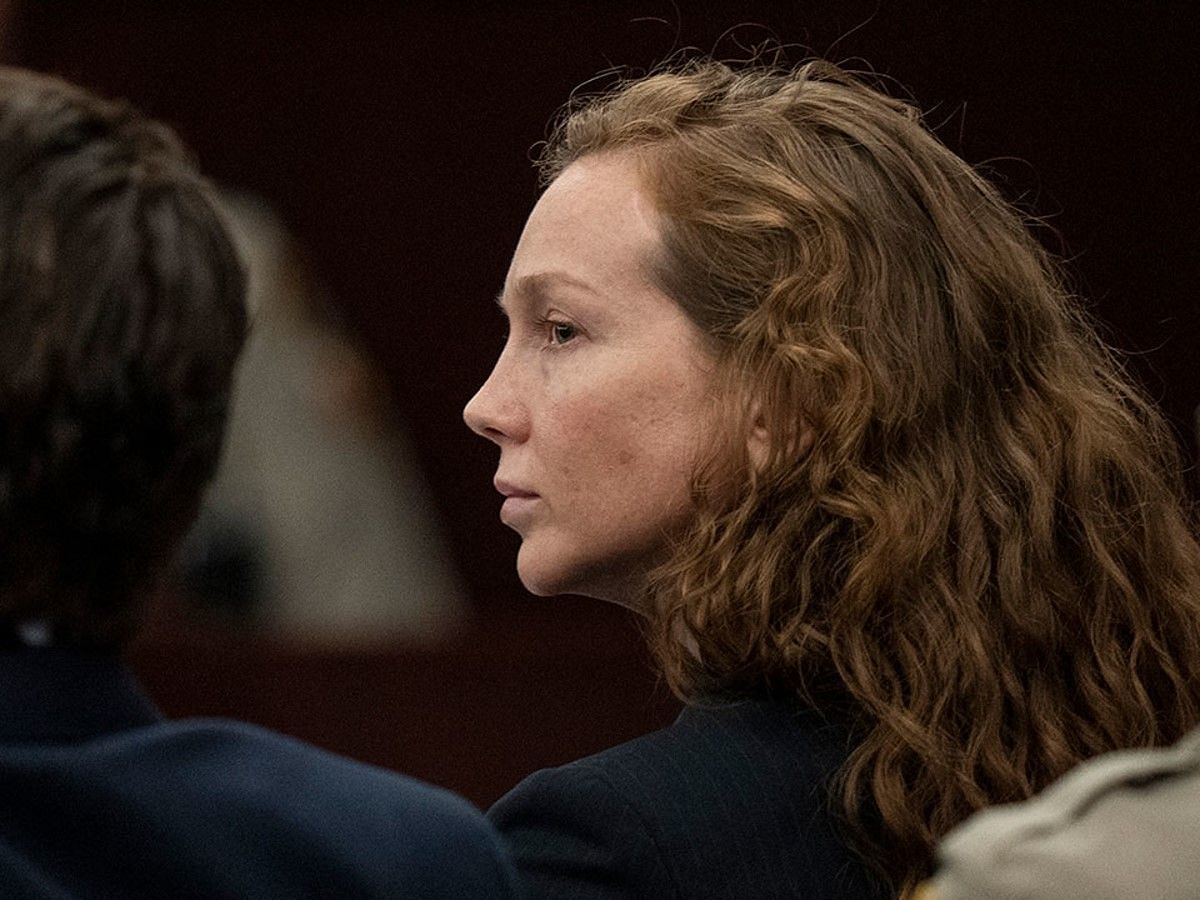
<point x="562" y="332"/>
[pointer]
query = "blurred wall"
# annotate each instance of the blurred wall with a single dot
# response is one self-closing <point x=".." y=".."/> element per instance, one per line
<point x="395" y="139"/>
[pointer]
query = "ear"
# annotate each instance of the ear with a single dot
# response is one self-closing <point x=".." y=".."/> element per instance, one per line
<point x="759" y="442"/>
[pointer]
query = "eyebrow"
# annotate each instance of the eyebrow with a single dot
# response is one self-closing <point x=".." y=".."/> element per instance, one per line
<point x="539" y="284"/>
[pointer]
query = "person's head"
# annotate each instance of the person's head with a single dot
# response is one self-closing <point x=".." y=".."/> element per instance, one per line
<point x="121" y="317"/>
<point x="600" y="395"/>
<point x="923" y="493"/>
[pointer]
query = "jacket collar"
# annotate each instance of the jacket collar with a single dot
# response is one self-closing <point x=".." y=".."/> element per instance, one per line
<point x="58" y="694"/>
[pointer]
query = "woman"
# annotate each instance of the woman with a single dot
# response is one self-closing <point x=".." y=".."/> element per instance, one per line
<point x="785" y="375"/>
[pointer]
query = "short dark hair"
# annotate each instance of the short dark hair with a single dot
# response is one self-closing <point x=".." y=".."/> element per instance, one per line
<point x="121" y="317"/>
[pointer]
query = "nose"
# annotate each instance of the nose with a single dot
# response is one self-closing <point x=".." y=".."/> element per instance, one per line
<point x="495" y="412"/>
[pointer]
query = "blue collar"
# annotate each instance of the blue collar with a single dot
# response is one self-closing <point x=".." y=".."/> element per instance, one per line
<point x="58" y="694"/>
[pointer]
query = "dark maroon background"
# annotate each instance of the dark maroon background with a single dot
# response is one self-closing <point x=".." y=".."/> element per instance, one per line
<point x="395" y="139"/>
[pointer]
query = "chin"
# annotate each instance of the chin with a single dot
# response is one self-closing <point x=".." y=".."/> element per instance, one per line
<point x="544" y="576"/>
<point x="537" y="588"/>
<point x="541" y="583"/>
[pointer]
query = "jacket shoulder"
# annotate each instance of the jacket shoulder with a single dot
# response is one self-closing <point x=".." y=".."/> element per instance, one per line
<point x="416" y="836"/>
<point x="258" y="811"/>
<point x="575" y="833"/>
<point x="731" y="800"/>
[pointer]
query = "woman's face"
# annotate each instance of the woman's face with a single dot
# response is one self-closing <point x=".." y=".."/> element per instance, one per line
<point x="600" y="396"/>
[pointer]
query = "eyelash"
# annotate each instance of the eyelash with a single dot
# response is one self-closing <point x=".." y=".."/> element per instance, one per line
<point x="552" y="328"/>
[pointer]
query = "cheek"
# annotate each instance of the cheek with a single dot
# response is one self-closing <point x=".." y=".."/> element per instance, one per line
<point x="581" y="445"/>
<point x="623" y="448"/>
<point x="588" y="437"/>
<point x="622" y="437"/>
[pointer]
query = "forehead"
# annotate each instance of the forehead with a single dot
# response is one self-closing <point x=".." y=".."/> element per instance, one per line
<point x="594" y="224"/>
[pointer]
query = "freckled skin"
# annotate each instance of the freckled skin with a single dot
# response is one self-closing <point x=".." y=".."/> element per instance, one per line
<point x="600" y="396"/>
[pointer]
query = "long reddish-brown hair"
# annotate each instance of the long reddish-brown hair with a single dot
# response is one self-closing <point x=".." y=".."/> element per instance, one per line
<point x="967" y="532"/>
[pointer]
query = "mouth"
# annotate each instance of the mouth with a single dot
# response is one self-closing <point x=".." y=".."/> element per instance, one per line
<point x="519" y="504"/>
<point x="511" y="491"/>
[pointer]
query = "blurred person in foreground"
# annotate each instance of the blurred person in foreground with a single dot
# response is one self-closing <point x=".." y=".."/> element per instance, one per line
<point x="1122" y="826"/>
<point x="788" y="377"/>
<point x="121" y="316"/>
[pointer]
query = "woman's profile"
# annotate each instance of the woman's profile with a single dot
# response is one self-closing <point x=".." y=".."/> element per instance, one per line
<point x="787" y="376"/>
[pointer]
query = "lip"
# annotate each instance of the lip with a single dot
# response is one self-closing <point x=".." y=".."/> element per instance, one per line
<point x="518" y="503"/>
<point x="512" y="491"/>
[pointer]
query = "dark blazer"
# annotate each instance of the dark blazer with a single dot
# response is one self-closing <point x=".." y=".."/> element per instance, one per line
<point x="99" y="797"/>
<point x="728" y="802"/>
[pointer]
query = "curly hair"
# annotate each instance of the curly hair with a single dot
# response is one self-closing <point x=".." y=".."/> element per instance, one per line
<point x="967" y="534"/>
<point x="121" y="316"/>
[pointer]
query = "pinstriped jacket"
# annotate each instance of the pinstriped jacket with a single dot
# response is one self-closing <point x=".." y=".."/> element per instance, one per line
<point x="728" y="802"/>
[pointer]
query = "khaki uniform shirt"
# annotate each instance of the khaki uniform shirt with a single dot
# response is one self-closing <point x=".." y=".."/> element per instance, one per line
<point x="1123" y="825"/>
